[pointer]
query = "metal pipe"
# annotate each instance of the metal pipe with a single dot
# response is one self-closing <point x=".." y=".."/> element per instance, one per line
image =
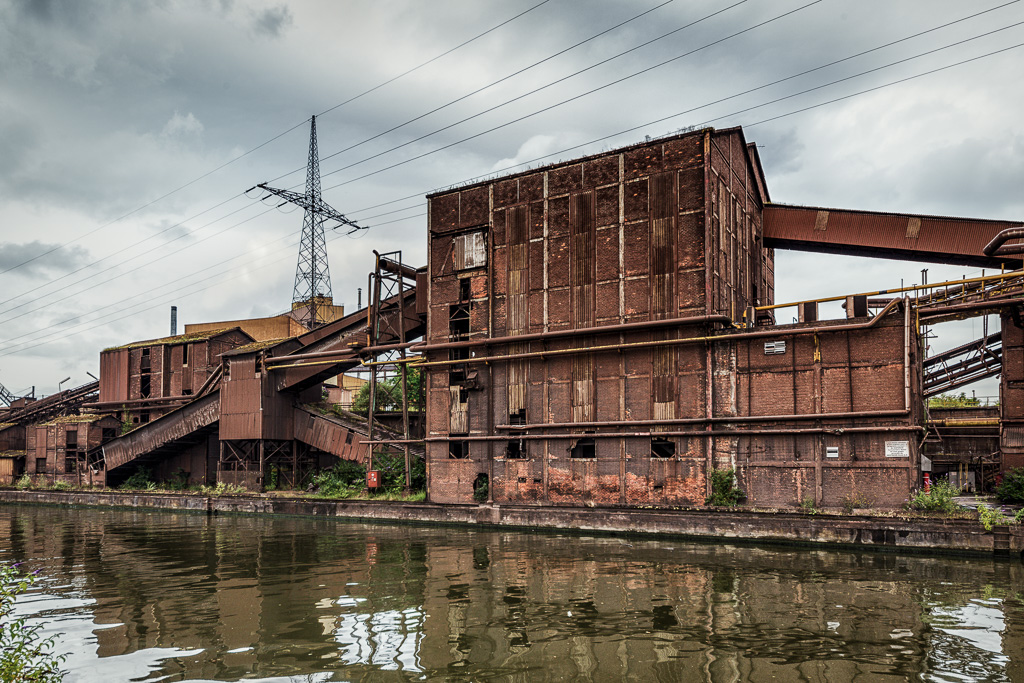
<point x="138" y="401"/>
<point x="967" y="308"/>
<point x="756" y="334"/>
<point x="996" y="248"/>
<point x="911" y="288"/>
<point x="559" y="334"/>
<point x="397" y="268"/>
<point x="703" y="420"/>
<point x="620" y="435"/>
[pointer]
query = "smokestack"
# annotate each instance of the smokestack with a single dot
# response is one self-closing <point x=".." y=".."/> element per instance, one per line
<point x="174" y="320"/>
<point x="359" y="298"/>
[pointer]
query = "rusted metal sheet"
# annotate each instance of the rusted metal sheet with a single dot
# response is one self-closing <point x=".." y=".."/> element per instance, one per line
<point x="470" y="251"/>
<point x="458" y="415"/>
<point x="330" y="436"/>
<point x="162" y="431"/>
<point x="936" y="239"/>
<point x="114" y="375"/>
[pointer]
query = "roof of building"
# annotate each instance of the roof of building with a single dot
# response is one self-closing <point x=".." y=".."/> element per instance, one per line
<point x="177" y="339"/>
<point x="256" y="346"/>
<point x="75" y="419"/>
<point x="7" y="425"/>
<point x="12" y="454"/>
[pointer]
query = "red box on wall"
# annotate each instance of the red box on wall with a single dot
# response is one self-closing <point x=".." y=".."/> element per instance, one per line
<point x="372" y="479"/>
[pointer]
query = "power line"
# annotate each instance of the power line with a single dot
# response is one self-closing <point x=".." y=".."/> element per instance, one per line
<point x="723" y="99"/>
<point x="264" y="144"/>
<point x="513" y="75"/>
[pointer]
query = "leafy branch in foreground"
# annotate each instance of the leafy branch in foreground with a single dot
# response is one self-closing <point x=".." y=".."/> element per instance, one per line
<point x="25" y="656"/>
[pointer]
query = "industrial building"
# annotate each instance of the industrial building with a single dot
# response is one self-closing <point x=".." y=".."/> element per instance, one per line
<point x="601" y="332"/>
<point x="597" y="332"/>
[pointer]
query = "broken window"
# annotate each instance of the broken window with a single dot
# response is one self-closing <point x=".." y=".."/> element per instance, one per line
<point x="458" y="322"/>
<point x="515" y="450"/>
<point x="662" y="448"/>
<point x="470" y="251"/>
<point x="40" y="465"/>
<point x="109" y="433"/>
<point x="464" y="289"/>
<point x="584" y="448"/>
<point x="518" y="417"/>
<point x="145" y="386"/>
<point x="459" y="450"/>
<point x="184" y="354"/>
<point x="71" y="438"/>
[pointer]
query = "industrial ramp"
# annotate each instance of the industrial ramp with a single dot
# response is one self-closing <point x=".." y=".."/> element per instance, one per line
<point x="330" y="435"/>
<point x="175" y="431"/>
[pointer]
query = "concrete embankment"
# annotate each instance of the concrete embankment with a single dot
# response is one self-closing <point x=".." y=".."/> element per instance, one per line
<point x="849" y="531"/>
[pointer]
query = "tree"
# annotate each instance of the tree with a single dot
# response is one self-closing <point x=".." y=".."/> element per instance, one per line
<point x="389" y="393"/>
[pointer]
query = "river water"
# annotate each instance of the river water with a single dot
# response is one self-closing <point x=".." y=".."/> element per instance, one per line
<point x="137" y="595"/>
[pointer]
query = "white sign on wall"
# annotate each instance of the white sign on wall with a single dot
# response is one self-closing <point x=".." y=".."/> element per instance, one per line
<point x="897" y="449"/>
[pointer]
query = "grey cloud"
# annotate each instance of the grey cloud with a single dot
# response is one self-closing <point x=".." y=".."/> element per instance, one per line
<point x="272" y="21"/>
<point x="40" y="258"/>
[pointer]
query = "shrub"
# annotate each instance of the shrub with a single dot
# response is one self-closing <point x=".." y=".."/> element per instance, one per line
<point x="939" y="499"/>
<point x="25" y="482"/>
<point x="481" y="489"/>
<point x="953" y="401"/>
<point x="855" y="501"/>
<point x="724" y="490"/>
<point x="808" y="506"/>
<point x="990" y="517"/>
<point x="60" y="485"/>
<point x="341" y="481"/>
<point x="24" y="655"/>
<point x="1011" y="488"/>
<point x="139" y="480"/>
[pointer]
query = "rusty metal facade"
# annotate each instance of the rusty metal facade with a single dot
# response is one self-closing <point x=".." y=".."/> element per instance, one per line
<point x="598" y="367"/>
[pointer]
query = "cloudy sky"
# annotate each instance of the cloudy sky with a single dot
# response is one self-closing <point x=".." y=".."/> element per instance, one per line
<point x="129" y="133"/>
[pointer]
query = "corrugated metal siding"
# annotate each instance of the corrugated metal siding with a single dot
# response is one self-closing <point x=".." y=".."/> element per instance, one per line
<point x="470" y="251"/>
<point x="517" y="228"/>
<point x="114" y="375"/>
<point x="175" y="425"/>
<point x="329" y="436"/>
<point x="874" y="230"/>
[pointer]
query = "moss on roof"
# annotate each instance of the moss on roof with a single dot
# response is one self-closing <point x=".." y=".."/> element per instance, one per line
<point x="256" y="346"/>
<point x="177" y="339"/>
<point x="12" y="454"/>
<point x="74" y="419"/>
<point x="6" y="425"/>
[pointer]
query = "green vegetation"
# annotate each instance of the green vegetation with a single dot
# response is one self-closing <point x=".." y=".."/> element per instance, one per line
<point x="953" y="401"/>
<point x="939" y="499"/>
<point x="807" y="505"/>
<point x="24" y="654"/>
<point x="724" y="490"/>
<point x="140" y="480"/>
<point x="389" y="393"/>
<point x="348" y="479"/>
<point x="855" y="501"/>
<point x="481" y="489"/>
<point x="1011" y="488"/>
<point x="990" y="517"/>
<point x="24" y="482"/>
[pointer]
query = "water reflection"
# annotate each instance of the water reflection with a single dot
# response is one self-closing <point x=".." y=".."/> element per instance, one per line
<point x="144" y="596"/>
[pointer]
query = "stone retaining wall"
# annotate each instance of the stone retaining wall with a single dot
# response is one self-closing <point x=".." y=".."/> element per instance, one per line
<point x="879" y="533"/>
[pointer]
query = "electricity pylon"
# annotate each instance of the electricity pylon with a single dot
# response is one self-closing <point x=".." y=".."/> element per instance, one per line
<point x="312" y="275"/>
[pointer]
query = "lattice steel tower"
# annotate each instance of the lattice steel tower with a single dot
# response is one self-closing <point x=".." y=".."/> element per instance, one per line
<point x="312" y="275"/>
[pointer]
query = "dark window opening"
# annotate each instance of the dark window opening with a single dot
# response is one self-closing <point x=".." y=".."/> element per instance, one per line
<point x="144" y="361"/>
<point x="458" y="322"/>
<point x="40" y="465"/>
<point x="584" y="448"/>
<point x="348" y="438"/>
<point x="71" y="438"/>
<point x="515" y="449"/>
<point x="96" y="460"/>
<point x="184" y="354"/>
<point x="144" y="416"/>
<point x="459" y="450"/>
<point x="457" y="373"/>
<point x="464" y="290"/>
<point x="518" y="417"/>
<point x="145" y="386"/>
<point x="522" y="480"/>
<point x="109" y="433"/>
<point x="663" y="448"/>
<point x="71" y="463"/>
<point x="186" y="392"/>
<point x="227" y="370"/>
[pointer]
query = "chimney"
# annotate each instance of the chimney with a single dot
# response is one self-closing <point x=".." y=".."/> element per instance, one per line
<point x="174" y="321"/>
<point x="359" y="298"/>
